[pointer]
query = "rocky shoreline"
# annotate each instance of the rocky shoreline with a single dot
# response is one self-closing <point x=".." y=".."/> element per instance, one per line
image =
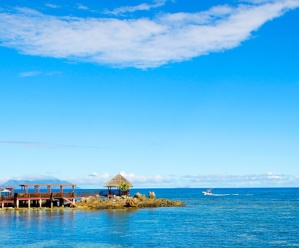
<point x="124" y="202"/>
<point x="116" y="202"/>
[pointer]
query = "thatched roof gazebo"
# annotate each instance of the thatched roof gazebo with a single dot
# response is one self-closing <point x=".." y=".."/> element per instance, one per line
<point x="115" y="182"/>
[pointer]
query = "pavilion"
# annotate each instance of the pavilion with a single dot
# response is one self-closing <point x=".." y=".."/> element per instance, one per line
<point x="115" y="183"/>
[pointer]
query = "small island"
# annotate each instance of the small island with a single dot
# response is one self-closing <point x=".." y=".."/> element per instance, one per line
<point x="125" y="202"/>
<point x="119" y="198"/>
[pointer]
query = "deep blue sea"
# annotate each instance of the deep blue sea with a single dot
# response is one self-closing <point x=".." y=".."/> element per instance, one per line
<point x="251" y="217"/>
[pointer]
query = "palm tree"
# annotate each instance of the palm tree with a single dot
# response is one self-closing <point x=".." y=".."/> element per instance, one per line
<point x="124" y="188"/>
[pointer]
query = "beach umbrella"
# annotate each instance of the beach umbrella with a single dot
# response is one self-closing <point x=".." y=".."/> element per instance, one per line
<point x="5" y="191"/>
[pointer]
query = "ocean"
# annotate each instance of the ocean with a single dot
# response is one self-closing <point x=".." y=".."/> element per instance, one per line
<point x="234" y="217"/>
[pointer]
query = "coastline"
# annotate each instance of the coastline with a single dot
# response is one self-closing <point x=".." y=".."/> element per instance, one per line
<point x="127" y="203"/>
<point x="94" y="203"/>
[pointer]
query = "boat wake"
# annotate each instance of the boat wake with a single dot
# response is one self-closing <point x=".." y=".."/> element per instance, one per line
<point x="208" y="192"/>
<point x="212" y="194"/>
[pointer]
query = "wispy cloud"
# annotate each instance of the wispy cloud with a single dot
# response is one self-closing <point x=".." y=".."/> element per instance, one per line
<point x="92" y="179"/>
<point x="51" y="73"/>
<point x="200" y="181"/>
<point x="53" y="6"/>
<point x="130" y="9"/>
<point x="96" y="180"/>
<point x="38" y="73"/>
<point x="141" y="43"/>
<point x="140" y="179"/>
<point x="254" y="180"/>
<point x="93" y="174"/>
<point x="80" y="6"/>
<point x="43" y="145"/>
<point x="29" y="74"/>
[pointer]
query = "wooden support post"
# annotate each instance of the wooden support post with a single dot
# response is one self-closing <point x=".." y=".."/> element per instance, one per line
<point x="40" y="203"/>
<point x="17" y="203"/>
<point x="2" y="205"/>
<point x="29" y="204"/>
<point x="51" y="204"/>
<point x="49" y="189"/>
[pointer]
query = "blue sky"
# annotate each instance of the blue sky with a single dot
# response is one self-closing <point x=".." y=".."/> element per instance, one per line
<point x="170" y="93"/>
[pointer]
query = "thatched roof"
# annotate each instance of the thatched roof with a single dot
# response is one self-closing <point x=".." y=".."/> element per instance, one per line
<point x="117" y="180"/>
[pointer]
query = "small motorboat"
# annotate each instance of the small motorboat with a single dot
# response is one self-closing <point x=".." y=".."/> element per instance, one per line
<point x="208" y="192"/>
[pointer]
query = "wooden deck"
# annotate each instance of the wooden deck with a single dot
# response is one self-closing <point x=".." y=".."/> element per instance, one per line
<point x="43" y="195"/>
<point x="38" y="198"/>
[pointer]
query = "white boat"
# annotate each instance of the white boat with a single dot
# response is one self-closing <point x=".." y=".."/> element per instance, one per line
<point x="208" y="192"/>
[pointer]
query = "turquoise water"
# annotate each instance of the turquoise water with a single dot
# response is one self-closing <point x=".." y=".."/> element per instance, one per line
<point x="231" y="218"/>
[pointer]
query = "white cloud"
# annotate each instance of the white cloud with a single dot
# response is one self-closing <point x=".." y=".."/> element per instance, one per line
<point x="91" y="179"/>
<point x="140" y="179"/>
<point x="53" y="6"/>
<point x="93" y="174"/>
<point x="254" y="180"/>
<point x="29" y="74"/>
<point x="80" y="6"/>
<point x="38" y="73"/>
<point x="95" y="180"/>
<point x="143" y="6"/>
<point x="199" y="181"/>
<point x="141" y="43"/>
<point x="52" y="73"/>
<point x="272" y="175"/>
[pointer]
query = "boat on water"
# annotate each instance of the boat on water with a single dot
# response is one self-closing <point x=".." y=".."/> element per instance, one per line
<point x="208" y="192"/>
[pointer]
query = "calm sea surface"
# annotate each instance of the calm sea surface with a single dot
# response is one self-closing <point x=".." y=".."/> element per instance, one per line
<point x="231" y="218"/>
